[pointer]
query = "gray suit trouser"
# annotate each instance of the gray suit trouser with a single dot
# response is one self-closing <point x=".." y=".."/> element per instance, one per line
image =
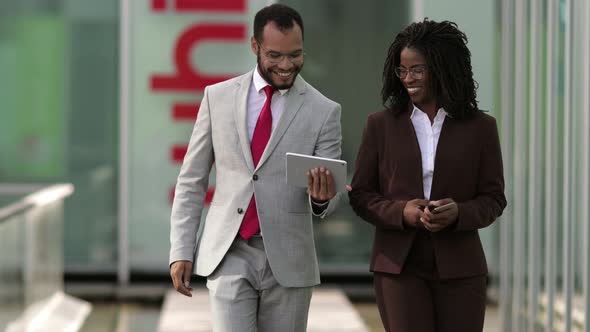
<point x="245" y="297"/>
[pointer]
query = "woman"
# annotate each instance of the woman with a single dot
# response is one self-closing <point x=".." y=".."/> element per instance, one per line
<point x="430" y="148"/>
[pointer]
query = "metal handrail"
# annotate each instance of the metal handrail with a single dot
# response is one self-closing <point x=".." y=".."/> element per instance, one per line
<point x="39" y="195"/>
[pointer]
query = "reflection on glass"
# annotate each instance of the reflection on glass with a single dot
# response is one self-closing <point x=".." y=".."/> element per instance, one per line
<point x="11" y="269"/>
<point x="31" y="255"/>
<point x="59" y="83"/>
<point x="346" y="45"/>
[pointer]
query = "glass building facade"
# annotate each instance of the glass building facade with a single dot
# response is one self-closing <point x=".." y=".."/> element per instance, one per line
<point x="60" y="97"/>
<point x="544" y="91"/>
<point x="60" y="104"/>
<point x="59" y="109"/>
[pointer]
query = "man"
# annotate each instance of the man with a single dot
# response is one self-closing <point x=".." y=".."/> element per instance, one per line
<point x="256" y="247"/>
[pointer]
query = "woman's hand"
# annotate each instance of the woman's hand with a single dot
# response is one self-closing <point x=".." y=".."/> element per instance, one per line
<point x="435" y="221"/>
<point x="413" y="212"/>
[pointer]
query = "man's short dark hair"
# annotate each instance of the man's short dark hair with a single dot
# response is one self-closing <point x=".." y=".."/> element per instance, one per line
<point x="283" y="16"/>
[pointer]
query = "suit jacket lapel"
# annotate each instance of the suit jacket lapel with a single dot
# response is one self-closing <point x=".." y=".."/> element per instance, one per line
<point x="442" y="148"/>
<point x="295" y="98"/>
<point x="241" y="116"/>
<point x="413" y="147"/>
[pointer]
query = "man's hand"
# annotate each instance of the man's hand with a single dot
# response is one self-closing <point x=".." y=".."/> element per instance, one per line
<point x="181" y="271"/>
<point x="413" y="212"/>
<point x="437" y="221"/>
<point x="320" y="185"/>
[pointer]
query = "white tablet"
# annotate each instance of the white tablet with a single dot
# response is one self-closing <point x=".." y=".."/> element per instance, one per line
<point x="299" y="164"/>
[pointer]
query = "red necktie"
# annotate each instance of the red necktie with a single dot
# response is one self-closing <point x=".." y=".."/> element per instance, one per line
<point x="251" y="224"/>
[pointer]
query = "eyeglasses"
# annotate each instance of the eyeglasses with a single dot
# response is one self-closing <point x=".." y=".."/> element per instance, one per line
<point x="275" y="57"/>
<point x="415" y="72"/>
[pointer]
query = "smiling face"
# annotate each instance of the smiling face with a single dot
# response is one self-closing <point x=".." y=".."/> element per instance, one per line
<point x="419" y="90"/>
<point x="279" y="55"/>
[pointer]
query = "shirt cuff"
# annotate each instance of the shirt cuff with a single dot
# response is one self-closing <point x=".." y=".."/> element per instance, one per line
<point x="318" y="209"/>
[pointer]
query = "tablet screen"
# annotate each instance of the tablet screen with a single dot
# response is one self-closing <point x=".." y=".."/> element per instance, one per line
<point x="299" y="164"/>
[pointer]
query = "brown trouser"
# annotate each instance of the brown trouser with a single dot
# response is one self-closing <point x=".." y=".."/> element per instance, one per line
<point x="417" y="300"/>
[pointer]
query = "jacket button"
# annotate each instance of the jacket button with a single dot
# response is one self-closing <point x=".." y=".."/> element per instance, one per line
<point x="255" y="177"/>
<point x="240" y="211"/>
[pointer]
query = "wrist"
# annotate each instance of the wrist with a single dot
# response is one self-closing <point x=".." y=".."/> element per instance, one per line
<point x="319" y="202"/>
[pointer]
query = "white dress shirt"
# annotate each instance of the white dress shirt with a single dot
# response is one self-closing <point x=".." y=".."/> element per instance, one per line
<point x="256" y="99"/>
<point x="428" y="135"/>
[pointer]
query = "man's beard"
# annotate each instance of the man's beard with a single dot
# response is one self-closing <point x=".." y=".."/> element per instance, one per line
<point x="267" y="76"/>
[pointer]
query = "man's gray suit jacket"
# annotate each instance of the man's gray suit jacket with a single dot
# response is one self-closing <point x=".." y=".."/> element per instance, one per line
<point x="310" y="124"/>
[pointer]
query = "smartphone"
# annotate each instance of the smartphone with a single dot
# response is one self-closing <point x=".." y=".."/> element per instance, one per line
<point x="438" y="209"/>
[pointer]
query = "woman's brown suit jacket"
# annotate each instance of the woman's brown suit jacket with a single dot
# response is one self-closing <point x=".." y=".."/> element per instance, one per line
<point x="468" y="169"/>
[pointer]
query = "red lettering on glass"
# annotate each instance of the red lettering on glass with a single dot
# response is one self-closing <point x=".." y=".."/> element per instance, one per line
<point x="158" y="5"/>
<point x="185" y="112"/>
<point x="209" y="195"/>
<point x="211" y="5"/>
<point x="190" y="79"/>
<point x="177" y="153"/>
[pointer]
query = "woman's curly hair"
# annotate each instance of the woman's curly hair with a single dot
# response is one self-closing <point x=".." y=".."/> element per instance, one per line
<point x="449" y="67"/>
